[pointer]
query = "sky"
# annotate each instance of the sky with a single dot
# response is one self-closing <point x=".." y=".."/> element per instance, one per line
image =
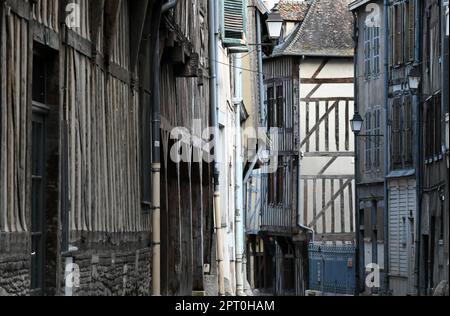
<point x="271" y="3"/>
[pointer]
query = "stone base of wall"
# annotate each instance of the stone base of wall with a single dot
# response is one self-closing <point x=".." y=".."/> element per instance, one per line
<point x="120" y="266"/>
<point x="14" y="264"/>
<point x="116" y="268"/>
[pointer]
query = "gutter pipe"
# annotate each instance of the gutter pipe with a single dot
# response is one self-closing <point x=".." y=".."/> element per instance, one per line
<point x="386" y="144"/>
<point x="213" y="85"/>
<point x="156" y="147"/>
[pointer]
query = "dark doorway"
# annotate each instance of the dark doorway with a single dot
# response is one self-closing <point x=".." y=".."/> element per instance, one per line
<point x="45" y="172"/>
<point x="38" y="203"/>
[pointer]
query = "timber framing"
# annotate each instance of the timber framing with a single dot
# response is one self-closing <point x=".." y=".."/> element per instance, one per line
<point x="48" y="37"/>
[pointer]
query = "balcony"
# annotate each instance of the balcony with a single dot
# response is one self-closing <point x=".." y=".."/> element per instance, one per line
<point x="277" y="220"/>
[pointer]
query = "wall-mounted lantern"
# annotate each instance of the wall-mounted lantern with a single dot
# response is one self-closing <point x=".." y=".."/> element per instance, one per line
<point x="274" y="23"/>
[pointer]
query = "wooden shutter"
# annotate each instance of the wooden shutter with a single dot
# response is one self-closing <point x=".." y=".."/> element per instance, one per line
<point x="407" y="130"/>
<point x="369" y="142"/>
<point x="429" y="129"/>
<point x="280" y="181"/>
<point x="377" y="130"/>
<point x="397" y="32"/>
<point x="396" y="133"/>
<point x="437" y="125"/>
<point x="367" y="48"/>
<point x="411" y="12"/>
<point x="271" y="183"/>
<point x="234" y="23"/>
<point x="376" y="51"/>
<point x="380" y="222"/>
<point x="368" y="222"/>
<point x="270" y="106"/>
<point x="280" y="105"/>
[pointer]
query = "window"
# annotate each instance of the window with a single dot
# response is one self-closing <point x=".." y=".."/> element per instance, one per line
<point x="433" y="128"/>
<point x="397" y="34"/>
<point x="280" y="107"/>
<point x="402" y="132"/>
<point x="410" y="30"/>
<point x="271" y="184"/>
<point x="407" y="130"/>
<point x="377" y="144"/>
<point x="234" y="22"/>
<point x="372" y="50"/>
<point x="376" y="51"/>
<point x="280" y="181"/>
<point x="373" y="144"/>
<point x="368" y="142"/>
<point x="367" y="45"/>
<point x="396" y="134"/>
<point x="403" y="32"/>
<point x="270" y="107"/>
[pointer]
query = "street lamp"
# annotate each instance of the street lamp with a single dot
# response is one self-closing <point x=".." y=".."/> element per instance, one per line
<point x="414" y="78"/>
<point x="357" y="123"/>
<point x="274" y="23"/>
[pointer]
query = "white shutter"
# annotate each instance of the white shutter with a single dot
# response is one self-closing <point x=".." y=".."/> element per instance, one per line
<point x="402" y="204"/>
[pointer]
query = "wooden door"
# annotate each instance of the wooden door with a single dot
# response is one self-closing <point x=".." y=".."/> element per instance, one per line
<point x="38" y="208"/>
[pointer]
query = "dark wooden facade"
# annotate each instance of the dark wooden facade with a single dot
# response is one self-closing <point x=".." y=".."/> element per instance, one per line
<point x="434" y="108"/>
<point x="75" y="131"/>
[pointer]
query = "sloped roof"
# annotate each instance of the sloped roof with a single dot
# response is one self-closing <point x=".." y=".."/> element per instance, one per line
<point x="326" y="31"/>
<point x="293" y="10"/>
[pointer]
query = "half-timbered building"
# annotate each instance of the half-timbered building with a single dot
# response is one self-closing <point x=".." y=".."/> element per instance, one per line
<point x="309" y="90"/>
<point x="89" y="95"/>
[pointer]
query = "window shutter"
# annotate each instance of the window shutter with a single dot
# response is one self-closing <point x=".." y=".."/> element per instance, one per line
<point x="234" y="23"/>
<point x="367" y="48"/>
<point x="280" y="181"/>
<point x="377" y="146"/>
<point x="429" y="129"/>
<point x="280" y="105"/>
<point x="408" y="132"/>
<point x="398" y="34"/>
<point x="411" y="29"/>
<point x="391" y="36"/>
<point x="380" y="221"/>
<point x="438" y="125"/>
<point x="368" y="143"/>
<point x="368" y="223"/>
<point x="270" y="103"/>
<point x="396" y="135"/>
<point x="376" y="50"/>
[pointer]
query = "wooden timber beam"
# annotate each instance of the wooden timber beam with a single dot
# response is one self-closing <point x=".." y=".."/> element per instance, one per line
<point x="138" y="13"/>
<point x="112" y="10"/>
<point x="96" y="12"/>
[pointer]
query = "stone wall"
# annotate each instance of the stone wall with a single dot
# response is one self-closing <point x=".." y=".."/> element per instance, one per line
<point x="110" y="269"/>
<point x="14" y="264"/>
<point x="107" y="268"/>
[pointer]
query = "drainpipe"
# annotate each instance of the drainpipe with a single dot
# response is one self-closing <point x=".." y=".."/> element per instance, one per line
<point x="299" y="217"/>
<point x="156" y="149"/>
<point x="213" y="43"/>
<point x="445" y="100"/>
<point x="262" y="95"/>
<point x="359" y="245"/>
<point x="239" y="195"/>
<point x="418" y="104"/>
<point x="386" y="144"/>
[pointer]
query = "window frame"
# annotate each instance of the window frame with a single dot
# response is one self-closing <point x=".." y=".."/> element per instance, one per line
<point x="368" y="143"/>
